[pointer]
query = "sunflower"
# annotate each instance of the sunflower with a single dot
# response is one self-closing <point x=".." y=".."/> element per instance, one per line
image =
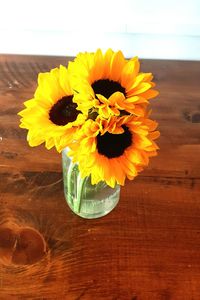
<point x="110" y="85"/>
<point x="52" y="116"/>
<point x="111" y="150"/>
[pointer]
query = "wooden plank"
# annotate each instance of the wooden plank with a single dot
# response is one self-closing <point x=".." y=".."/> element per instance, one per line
<point x="147" y="248"/>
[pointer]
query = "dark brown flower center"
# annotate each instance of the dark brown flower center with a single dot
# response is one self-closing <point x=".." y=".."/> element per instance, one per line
<point x="114" y="145"/>
<point x="107" y="87"/>
<point x="63" y="111"/>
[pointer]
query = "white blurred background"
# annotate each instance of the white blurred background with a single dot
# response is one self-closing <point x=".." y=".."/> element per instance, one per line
<point x="150" y="29"/>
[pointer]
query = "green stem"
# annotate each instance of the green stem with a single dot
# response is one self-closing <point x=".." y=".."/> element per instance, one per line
<point x="69" y="181"/>
<point x="80" y="186"/>
<point x="75" y="198"/>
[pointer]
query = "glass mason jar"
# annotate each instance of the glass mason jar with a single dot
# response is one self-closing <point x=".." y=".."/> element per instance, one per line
<point x="87" y="200"/>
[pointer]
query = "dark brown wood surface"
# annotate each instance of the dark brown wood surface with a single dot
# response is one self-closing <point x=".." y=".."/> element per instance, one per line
<point x="147" y="248"/>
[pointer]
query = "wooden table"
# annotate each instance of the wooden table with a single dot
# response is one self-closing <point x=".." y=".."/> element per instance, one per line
<point x="147" y="248"/>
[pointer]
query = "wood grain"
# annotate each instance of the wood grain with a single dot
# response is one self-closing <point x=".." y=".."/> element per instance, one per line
<point x="147" y="248"/>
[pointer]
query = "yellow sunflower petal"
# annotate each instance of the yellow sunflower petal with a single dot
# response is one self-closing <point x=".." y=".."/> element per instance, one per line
<point x="134" y="156"/>
<point x="129" y="73"/>
<point x="141" y="88"/>
<point x="154" y="135"/>
<point x="97" y="71"/>
<point x="117" y="64"/>
<point x="150" y="94"/>
<point x="64" y="80"/>
<point x="118" y="172"/>
<point x="107" y="63"/>
<point x="116" y="98"/>
<point x="142" y="142"/>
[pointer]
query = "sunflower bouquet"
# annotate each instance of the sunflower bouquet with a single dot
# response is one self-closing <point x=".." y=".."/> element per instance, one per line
<point x="97" y="108"/>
